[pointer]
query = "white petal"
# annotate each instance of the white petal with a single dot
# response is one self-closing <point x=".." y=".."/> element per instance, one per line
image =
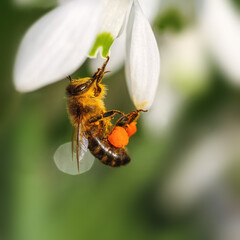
<point x="114" y="17"/>
<point x="56" y="45"/>
<point x="150" y="8"/>
<point x="68" y="164"/>
<point x="220" y="25"/>
<point x="142" y="59"/>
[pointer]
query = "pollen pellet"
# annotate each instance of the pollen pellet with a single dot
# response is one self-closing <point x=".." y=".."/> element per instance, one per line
<point x="119" y="137"/>
<point x="131" y="129"/>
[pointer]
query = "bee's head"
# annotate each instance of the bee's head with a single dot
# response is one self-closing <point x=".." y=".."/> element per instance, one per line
<point x="89" y="86"/>
<point x="80" y="86"/>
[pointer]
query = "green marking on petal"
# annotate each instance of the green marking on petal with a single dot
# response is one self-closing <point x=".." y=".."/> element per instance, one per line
<point x="104" y="41"/>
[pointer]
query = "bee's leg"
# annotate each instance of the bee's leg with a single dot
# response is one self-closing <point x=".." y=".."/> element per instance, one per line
<point x="97" y="90"/>
<point x="104" y="115"/>
<point x="101" y="71"/>
<point x="128" y="118"/>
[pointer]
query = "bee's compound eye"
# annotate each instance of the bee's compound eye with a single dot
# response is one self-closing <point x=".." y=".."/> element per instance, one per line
<point x="119" y="137"/>
<point x="81" y="87"/>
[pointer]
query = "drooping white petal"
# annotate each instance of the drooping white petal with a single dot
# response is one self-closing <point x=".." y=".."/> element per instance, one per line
<point x="56" y="45"/>
<point x="220" y="25"/>
<point x="67" y="163"/>
<point x="114" y="16"/>
<point x="142" y="59"/>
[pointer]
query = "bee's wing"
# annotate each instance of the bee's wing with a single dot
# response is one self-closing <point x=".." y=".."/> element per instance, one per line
<point x="81" y="144"/>
<point x="73" y="157"/>
<point x="66" y="159"/>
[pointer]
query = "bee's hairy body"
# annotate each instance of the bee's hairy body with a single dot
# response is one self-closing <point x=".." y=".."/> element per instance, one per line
<point x="85" y="103"/>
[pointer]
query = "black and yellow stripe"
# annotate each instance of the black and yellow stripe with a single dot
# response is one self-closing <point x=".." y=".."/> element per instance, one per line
<point x="108" y="154"/>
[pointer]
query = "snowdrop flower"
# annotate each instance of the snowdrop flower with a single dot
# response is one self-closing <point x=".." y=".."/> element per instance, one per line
<point x="220" y="25"/>
<point x="58" y="44"/>
<point x="184" y="75"/>
<point x="202" y="166"/>
<point x="118" y="48"/>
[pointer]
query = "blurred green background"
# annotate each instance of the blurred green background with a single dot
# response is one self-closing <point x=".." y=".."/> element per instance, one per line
<point x="39" y="202"/>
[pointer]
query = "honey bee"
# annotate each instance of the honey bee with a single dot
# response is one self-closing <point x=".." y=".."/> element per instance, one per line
<point x="93" y="129"/>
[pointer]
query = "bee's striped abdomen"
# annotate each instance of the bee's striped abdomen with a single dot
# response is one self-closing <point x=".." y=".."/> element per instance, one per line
<point x="108" y="154"/>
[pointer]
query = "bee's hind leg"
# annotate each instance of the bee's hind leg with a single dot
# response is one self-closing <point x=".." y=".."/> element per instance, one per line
<point x="129" y="118"/>
<point x="105" y="115"/>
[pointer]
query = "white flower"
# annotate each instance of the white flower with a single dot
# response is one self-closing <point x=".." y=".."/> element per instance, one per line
<point x="202" y="165"/>
<point x="185" y="74"/>
<point x="220" y="26"/>
<point x="57" y="45"/>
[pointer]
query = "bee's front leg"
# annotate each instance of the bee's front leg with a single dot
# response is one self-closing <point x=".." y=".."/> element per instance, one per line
<point x="101" y="71"/>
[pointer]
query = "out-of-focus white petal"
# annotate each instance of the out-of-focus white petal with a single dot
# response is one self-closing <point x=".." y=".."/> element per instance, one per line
<point x="117" y="55"/>
<point x="142" y="59"/>
<point x="220" y="25"/>
<point x="150" y="8"/>
<point x="34" y="3"/>
<point x="114" y="16"/>
<point x="184" y="62"/>
<point x="166" y="105"/>
<point x="202" y="165"/>
<point x="184" y="75"/>
<point x="56" y="45"/>
<point x="60" y="2"/>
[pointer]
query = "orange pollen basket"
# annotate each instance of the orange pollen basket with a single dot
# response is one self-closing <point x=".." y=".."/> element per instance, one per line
<point x="131" y="129"/>
<point x="119" y="137"/>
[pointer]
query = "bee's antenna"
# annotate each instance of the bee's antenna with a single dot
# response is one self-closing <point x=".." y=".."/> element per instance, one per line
<point x="69" y="78"/>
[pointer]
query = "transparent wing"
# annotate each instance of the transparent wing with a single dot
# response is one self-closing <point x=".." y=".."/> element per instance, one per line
<point x="66" y="159"/>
